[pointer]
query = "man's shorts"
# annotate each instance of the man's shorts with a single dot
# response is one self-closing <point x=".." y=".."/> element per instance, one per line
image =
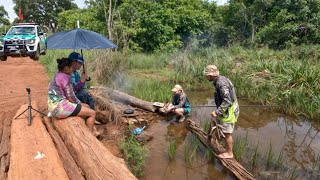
<point x="226" y="127"/>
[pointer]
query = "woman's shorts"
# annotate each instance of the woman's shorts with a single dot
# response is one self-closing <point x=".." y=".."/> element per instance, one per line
<point x="186" y="110"/>
<point x="76" y="111"/>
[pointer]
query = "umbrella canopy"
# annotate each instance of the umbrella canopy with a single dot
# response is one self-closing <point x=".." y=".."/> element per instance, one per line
<point x="79" y="39"/>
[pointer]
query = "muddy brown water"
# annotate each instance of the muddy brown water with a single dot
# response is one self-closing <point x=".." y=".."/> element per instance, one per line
<point x="298" y="138"/>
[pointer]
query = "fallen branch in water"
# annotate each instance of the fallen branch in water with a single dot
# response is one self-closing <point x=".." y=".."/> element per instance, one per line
<point x="231" y="164"/>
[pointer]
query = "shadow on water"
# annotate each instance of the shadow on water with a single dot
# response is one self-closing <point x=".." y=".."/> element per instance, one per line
<point x="298" y="138"/>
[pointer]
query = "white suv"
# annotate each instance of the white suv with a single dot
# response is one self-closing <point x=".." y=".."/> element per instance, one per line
<point x="23" y="39"/>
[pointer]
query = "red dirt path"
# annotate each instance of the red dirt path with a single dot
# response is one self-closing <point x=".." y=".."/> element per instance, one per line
<point x="16" y="74"/>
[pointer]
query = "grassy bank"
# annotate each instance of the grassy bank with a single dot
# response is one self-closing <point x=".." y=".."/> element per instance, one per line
<point x="287" y="78"/>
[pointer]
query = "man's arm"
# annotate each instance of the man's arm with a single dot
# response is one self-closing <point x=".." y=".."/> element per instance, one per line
<point x="77" y="83"/>
<point x="226" y="100"/>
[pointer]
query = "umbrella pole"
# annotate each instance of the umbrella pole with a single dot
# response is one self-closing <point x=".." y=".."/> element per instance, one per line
<point x="84" y="70"/>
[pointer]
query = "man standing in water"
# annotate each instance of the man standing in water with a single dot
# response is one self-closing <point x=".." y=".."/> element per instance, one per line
<point x="227" y="110"/>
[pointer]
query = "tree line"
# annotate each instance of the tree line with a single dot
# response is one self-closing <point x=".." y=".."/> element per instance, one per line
<point x="166" y="25"/>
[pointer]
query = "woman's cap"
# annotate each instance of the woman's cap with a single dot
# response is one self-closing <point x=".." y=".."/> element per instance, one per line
<point x="76" y="56"/>
<point x="211" y="70"/>
<point x="176" y="88"/>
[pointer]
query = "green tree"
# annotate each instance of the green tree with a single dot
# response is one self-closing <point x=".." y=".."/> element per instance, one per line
<point x="42" y="11"/>
<point x="292" y="22"/>
<point x="161" y="25"/>
<point x="87" y="18"/>
<point x="4" y="18"/>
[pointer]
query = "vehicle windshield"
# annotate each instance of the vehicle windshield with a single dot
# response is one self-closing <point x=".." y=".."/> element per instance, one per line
<point x="21" y="30"/>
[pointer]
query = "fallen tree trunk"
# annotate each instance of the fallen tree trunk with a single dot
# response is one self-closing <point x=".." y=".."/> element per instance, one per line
<point x="127" y="99"/>
<point x="231" y="164"/>
<point x="91" y="156"/>
<point x="70" y="166"/>
<point x="103" y="104"/>
<point x="32" y="152"/>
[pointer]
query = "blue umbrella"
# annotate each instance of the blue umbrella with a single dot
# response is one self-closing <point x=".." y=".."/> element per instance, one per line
<point x="79" y="39"/>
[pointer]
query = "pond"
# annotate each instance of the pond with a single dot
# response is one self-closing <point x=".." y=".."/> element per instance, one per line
<point x="288" y="147"/>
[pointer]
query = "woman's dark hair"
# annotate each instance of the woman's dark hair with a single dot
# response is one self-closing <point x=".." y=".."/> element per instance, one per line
<point x="63" y="62"/>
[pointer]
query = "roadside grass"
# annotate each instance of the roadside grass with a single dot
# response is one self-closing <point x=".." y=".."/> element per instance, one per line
<point x="134" y="154"/>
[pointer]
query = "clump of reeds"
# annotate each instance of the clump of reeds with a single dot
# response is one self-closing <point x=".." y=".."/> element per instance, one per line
<point x="279" y="160"/>
<point x="134" y="154"/>
<point x="256" y="154"/>
<point x="240" y="147"/>
<point x="172" y="150"/>
<point x="191" y="148"/>
<point x="269" y="155"/>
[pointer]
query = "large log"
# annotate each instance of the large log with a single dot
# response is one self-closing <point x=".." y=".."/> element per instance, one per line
<point x="70" y="166"/>
<point x="91" y="156"/>
<point x="231" y="164"/>
<point x="127" y="99"/>
<point x="26" y="141"/>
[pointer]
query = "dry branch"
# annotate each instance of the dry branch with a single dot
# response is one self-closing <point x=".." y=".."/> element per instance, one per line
<point x="231" y="164"/>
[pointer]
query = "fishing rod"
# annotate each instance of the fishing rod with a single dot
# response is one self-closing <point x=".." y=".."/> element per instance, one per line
<point x="259" y="106"/>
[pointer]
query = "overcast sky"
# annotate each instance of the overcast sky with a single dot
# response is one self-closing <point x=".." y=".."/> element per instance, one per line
<point x="8" y="6"/>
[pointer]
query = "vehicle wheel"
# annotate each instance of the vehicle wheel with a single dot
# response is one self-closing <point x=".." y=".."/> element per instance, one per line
<point x="37" y="54"/>
<point x="3" y="58"/>
<point x="45" y="51"/>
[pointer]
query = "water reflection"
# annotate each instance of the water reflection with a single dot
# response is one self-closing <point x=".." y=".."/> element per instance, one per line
<point x="298" y="138"/>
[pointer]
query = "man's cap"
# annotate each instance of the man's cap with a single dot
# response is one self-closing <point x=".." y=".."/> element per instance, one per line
<point x="76" y="56"/>
<point x="211" y="70"/>
<point x="176" y="88"/>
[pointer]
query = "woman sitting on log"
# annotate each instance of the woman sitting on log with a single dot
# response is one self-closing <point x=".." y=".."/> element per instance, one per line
<point x="62" y="100"/>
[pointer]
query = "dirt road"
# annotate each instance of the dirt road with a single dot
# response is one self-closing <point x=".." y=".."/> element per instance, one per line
<point x="16" y="74"/>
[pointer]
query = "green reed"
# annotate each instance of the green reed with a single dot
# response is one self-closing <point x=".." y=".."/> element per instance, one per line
<point x="256" y="154"/>
<point x="205" y="125"/>
<point x="134" y="154"/>
<point x="240" y="147"/>
<point x="279" y="159"/>
<point x="294" y="174"/>
<point x="269" y="155"/>
<point x="191" y="148"/>
<point x="172" y="150"/>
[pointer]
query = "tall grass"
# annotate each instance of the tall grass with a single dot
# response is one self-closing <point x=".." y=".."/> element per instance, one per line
<point x="256" y="154"/>
<point x="287" y="78"/>
<point x="191" y="148"/>
<point x="172" y="150"/>
<point x="134" y="154"/>
<point x="269" y="155"/>
<point x="240" y="147"/>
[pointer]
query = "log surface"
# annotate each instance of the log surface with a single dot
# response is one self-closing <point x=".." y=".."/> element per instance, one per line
<point x="231" y="164"/>
<point x="127" y="99"/>
<point x="70" y="166"/>
<point x="89" y="153"/>
<point x="25" y="142"/>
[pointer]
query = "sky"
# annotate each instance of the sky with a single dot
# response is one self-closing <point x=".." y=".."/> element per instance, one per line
<point x="8" y="6"/>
